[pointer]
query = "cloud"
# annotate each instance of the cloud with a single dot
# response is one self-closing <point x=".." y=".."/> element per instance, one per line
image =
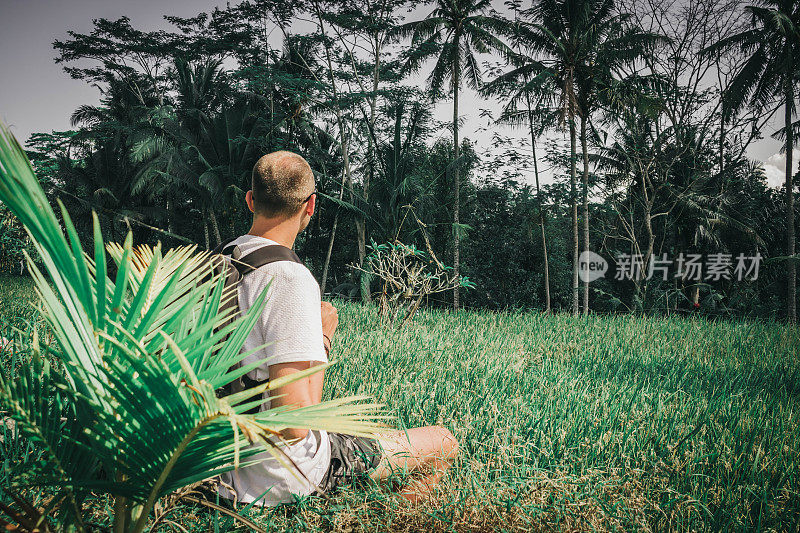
<point x="775" y="168"/>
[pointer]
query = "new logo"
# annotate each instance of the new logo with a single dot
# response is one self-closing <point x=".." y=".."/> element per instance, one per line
<point x="591" y="266"/>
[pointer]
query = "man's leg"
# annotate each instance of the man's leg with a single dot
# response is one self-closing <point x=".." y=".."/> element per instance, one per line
<point x="428" y="450"/>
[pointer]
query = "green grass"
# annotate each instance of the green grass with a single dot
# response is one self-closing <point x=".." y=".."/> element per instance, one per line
<point x="570" y="423"/>
<point x="16" y="295"/>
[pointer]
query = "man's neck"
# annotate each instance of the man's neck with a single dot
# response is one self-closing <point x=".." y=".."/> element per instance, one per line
<point x="281" y="231"/>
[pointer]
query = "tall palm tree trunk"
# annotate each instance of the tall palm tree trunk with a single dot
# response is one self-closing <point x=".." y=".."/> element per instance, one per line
<point x="330" y="242"/>
<point x="170" y="227"/>
<point x="791" y="274"/>
<point x="215" y="227"/>
<point x="541" y="212"/>
<point x="647" y="201"/>
<point x="328" y="254"/>
<point x="362" y="226"/>
<point x="585" y="212"/>
<point x="574" y="209"/>
<point x="343" y="143"/>
<point x="456" y="176"/>
<point x="363" y="279"/>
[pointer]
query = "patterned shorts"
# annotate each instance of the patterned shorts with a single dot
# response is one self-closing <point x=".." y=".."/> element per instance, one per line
<point x="352" y="458"/>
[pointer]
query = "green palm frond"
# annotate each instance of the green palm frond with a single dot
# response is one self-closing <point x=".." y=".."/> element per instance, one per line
<point x="45" y="413"/>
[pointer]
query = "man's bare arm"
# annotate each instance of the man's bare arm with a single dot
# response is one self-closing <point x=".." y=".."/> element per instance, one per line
<point x="302" y="393"/>
<point x="307" y="391"/>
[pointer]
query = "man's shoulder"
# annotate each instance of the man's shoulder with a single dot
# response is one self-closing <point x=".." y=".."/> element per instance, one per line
<point x="285" y="268"/>
<point x="287" y="281"/>
<point x="289" y="270"/>
<point x="286" y="277"/>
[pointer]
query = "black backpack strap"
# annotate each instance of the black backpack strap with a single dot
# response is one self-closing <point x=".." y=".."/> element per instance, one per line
<point x="263" y="256"/>
<point x="222" y="247"/>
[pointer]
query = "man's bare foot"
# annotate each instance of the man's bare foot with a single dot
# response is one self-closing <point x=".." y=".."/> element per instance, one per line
<point x="430" y="450"/>
<point x="421" y="489"/>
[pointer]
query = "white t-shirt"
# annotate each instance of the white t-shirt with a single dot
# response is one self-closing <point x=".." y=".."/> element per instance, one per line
<point x="292" y="324"/>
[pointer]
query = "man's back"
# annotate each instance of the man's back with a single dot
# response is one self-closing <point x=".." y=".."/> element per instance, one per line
<point x="291" y="327"/>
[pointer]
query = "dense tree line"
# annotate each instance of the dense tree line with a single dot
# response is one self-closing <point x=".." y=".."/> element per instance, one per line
<point x="659" y="102"/>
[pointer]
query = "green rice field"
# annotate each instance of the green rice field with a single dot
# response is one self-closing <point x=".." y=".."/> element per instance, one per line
<point x="599" y="423"/>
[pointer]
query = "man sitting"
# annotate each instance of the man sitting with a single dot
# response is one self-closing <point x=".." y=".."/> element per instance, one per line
<point x="299" y="329"/>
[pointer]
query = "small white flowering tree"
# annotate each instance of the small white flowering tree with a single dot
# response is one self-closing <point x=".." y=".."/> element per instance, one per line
<point x="408" y="277"/>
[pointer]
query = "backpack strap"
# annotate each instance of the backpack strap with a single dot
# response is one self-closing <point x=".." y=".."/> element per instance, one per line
<point x="222" y="246"/>
<point x="260" y="257"/>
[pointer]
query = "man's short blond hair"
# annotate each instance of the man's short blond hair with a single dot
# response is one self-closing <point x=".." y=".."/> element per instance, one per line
<point x="281" y="181"/>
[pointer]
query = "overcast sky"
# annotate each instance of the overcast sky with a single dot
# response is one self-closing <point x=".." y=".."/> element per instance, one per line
<point x="36" y="95"/>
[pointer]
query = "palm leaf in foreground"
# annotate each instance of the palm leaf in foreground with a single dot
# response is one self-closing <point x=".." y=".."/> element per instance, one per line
<point x="142" y="358"/>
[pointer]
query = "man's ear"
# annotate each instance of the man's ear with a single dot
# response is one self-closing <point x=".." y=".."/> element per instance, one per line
<point x="248" y="198"/>
<point x="311" y="205"/>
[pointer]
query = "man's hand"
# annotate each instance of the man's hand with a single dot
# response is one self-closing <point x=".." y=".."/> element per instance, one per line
<point x="330" y="320"/>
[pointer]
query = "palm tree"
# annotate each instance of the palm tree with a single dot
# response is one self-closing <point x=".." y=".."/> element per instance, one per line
<point x="402" y="180"/>
<point x="655" y="172"/>
<point x="576" y="48"/>
<point x="452" y="34"/>
<point x="549" y="35"/>
<point x="516" y="86"/>
<point x="368" y="23"/>
<point x="770" y="76"/>
<point x="205" y="146"/>
<point x="610" y="42"/>
<point x="100" y="171"/>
